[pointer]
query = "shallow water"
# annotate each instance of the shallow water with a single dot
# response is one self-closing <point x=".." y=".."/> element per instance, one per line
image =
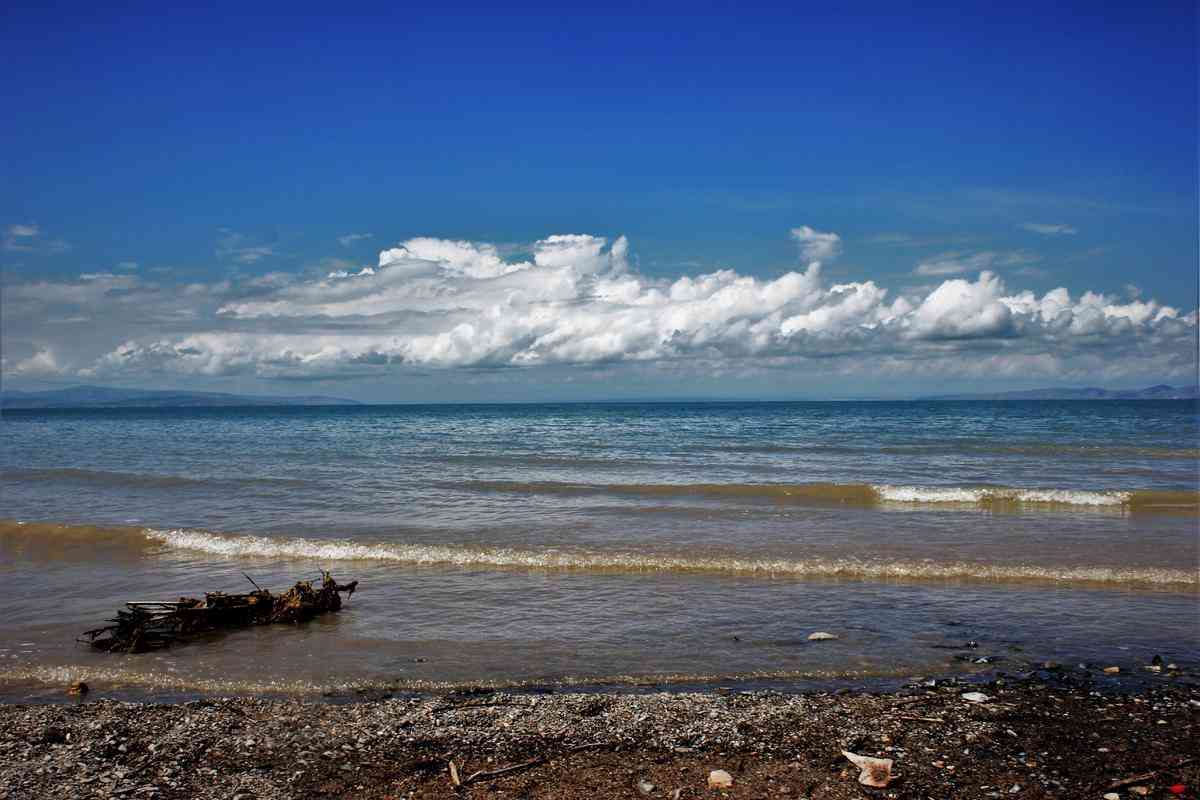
<point x="576" y="543"/>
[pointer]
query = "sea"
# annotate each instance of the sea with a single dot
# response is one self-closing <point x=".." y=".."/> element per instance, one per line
<point x="622" y="547"/>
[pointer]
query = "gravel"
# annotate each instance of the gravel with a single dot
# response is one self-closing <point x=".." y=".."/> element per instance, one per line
<point x="1028" y="739"/>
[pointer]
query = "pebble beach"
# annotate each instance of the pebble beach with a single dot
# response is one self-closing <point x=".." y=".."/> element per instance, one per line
<point x="1057" y="735"/>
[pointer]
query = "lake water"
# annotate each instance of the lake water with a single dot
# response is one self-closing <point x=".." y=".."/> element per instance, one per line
<point x="692" y="544"/>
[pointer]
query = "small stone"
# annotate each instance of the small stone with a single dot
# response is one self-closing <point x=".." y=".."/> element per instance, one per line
<point x="1112" y="670"/>
<point x="1140" y="791"/>
<point x="875" y="771"/>
<point x="821" y="636"/>
<point x="720" y="779"/>
<point x="1016" y="787"/>
<point x="1112" y="796"/>
<point x="975" y="697"/>
<point x="645" y="787"/>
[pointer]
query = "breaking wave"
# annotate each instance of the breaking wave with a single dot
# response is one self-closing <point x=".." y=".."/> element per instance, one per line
<point x="53" y="542"/>
<point x="870" y="494"/>
<point x="445" y="555"/>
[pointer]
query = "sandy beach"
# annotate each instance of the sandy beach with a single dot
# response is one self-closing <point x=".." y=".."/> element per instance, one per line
<point x="1050" y="735"/>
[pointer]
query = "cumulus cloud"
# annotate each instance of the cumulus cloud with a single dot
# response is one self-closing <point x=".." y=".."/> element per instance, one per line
<point x="573" y="300"/>
<point x="1050" y="230"/>
<point x="815" y="245"/>
<point x="41" y="364"/>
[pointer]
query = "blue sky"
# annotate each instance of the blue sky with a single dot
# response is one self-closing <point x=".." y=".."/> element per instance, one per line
<point x="1051" y="146"/>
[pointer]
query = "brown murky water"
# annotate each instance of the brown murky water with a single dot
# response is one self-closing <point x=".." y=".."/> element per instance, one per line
<point x="574" y="544"/>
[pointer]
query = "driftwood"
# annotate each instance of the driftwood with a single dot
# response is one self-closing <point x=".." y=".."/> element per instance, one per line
<point x="154" y="624"/>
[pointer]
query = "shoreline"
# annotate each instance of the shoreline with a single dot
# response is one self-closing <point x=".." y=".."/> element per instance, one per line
<point x="1045" y="736"/>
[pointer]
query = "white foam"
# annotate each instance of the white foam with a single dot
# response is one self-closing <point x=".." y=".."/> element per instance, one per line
<point x="964" y="494"/>
<point x="324" y="550"/>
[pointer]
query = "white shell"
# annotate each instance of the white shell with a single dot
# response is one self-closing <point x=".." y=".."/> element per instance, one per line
<point x="875" y="771"/>
<point x="720" y="779"/>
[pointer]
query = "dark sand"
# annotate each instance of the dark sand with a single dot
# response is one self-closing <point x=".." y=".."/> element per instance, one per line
<point x="1051" y="736"/>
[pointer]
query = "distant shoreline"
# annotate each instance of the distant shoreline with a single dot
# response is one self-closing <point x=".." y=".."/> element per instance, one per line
<point x="87" y="397"/>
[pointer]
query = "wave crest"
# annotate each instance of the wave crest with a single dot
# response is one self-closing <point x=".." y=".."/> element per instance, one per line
<point x="446" y="555"/>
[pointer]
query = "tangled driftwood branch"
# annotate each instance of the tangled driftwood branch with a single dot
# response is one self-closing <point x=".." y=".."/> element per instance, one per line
<point x="153" y="624"/>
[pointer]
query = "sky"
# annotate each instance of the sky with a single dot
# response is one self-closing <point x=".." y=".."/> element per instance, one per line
<point x="521" y="202"/>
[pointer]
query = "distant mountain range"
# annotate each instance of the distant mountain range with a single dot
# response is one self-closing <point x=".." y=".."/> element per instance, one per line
<point x="106" y="397"/>
<point x="1160" y="392"/>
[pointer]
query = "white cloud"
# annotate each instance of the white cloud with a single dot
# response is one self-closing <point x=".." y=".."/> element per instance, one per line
<point x="41" y="364"/>
<point x="958" y="263"/>
<point x="22" y="231"/>
<point x="27" y="238"/>
<point x="240" y="248"/>
<point x="351" y="238"/>
<point x="959" y="309"/>
<point x="1050" y="230"/>
<point x="575" y="300"/>
<point x="252" y="255"/>
<point x="815" y="245"/>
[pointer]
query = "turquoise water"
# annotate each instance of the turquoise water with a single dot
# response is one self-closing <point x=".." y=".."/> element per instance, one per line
<point x="563" y="543"/>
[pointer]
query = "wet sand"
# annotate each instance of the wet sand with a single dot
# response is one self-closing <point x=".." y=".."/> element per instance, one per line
<point x="1053" y="735"/>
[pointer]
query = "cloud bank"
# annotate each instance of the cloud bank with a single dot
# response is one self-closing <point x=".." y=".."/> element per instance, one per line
<point x="577" y="300"/>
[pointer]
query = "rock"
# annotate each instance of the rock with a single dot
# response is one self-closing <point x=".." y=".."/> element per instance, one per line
<point x="645" y="787"/>
<point x="821" y="636"/>
<point x="875" y="771"/>
<point x="720" y="779"/>
<point x="975" y="697"/>
<point x="1112" y="796"/>
<point x="1112" y="670"/>
<point x="78" y="688"/>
